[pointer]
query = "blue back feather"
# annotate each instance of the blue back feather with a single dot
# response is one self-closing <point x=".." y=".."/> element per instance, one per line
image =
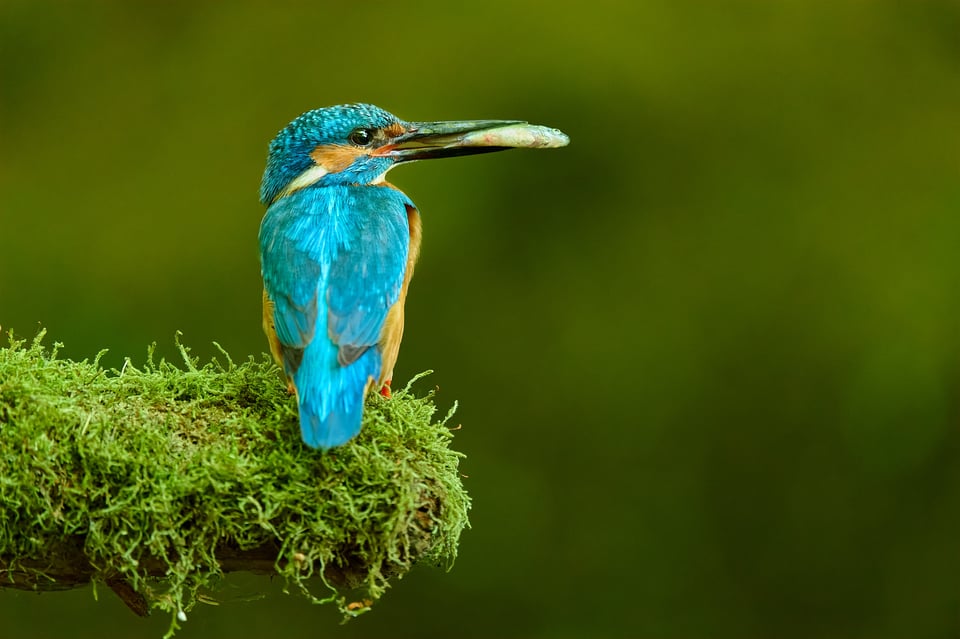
<point x="333" y="259"/>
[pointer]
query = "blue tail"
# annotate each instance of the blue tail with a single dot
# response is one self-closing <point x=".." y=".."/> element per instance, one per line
<point x="331" y="395"/>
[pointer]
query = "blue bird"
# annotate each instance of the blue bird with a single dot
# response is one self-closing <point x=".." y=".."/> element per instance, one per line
<point x="338" y="246"/>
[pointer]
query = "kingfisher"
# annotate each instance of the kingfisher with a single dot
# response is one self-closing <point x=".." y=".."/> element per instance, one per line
<point x="338" y="244"/>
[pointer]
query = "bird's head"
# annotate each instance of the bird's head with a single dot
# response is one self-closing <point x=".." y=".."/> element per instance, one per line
<point x="358" y="143"/>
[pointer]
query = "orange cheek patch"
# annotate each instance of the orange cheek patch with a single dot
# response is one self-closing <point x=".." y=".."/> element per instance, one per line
<point x="394" y="130"/>
<point x="335" y="158"/>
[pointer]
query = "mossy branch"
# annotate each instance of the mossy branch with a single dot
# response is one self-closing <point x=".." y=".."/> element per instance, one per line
<point x="157" y="480"/>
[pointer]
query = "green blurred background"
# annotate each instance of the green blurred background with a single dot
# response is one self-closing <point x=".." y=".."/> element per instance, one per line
<point x="707" y="357"/>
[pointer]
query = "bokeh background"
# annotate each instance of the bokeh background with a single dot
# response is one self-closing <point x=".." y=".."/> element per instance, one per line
<point x="707" y="357"/>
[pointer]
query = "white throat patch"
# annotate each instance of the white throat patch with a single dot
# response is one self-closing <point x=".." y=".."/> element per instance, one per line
<point x="303" y="180"/>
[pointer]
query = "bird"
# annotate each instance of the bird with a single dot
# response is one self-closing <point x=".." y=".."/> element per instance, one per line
<point x="338" y="246"/>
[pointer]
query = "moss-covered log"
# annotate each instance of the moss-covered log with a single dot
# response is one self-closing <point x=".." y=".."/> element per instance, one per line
<point x="157" y="480"/>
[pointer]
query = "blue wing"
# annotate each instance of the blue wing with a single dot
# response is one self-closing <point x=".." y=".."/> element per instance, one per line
<point x="333" y="260"/>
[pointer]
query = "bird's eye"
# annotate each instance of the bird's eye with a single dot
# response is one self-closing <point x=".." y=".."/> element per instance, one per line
<point x="361" y="137"/>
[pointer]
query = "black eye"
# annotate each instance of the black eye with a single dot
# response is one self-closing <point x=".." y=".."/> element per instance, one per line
<point x="361" y="137"/>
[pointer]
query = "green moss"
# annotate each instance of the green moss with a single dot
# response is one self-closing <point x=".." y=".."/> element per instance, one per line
<point x="156" y="478"/>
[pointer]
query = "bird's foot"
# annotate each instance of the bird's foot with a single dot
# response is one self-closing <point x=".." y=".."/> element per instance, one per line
<point x="385" y="389"/>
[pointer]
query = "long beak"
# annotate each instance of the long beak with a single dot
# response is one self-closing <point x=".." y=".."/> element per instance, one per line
<point x="427" y="140"/>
